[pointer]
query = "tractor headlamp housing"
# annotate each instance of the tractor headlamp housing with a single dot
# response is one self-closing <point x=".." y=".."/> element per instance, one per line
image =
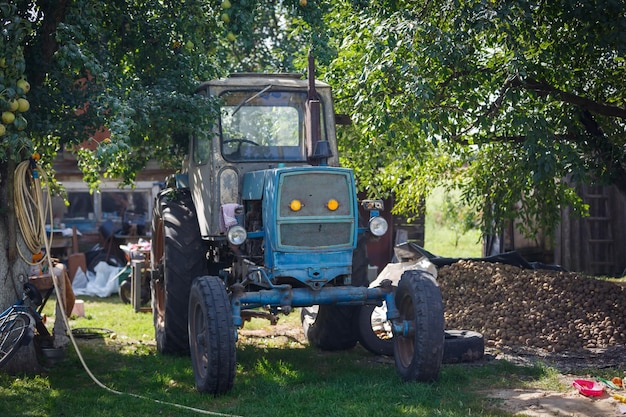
<point x="378" y="226"/>
<point x="237" y="235"/>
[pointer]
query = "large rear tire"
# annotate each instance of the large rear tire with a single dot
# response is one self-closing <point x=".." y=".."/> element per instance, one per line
<point x="375" y="331"/>
<point x="178" y="255"/>
<point x="418" y="354"/>
<point x="329" y="327"/>
<point x="211" y="336"/>
<point x="332" y="327"/>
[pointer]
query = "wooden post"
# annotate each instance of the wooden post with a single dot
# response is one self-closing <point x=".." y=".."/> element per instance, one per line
<point x="137" y="267"/>
<point x="60" y="330"/>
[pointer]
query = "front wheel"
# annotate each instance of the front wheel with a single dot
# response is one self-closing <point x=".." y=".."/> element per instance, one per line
<point x="418" y="352"/>
<point x="376" y="335"/>
<point x="211" y="336"/>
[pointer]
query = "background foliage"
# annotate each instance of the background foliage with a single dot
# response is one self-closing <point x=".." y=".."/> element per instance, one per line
<point x="504" y="99"/>
<point x="520" y="94"/>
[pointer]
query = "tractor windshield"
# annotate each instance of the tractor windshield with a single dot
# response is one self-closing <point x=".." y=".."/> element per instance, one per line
<point x="263" y="125"/>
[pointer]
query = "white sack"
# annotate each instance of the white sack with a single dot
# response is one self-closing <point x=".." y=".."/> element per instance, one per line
<point x="103" y="283"/>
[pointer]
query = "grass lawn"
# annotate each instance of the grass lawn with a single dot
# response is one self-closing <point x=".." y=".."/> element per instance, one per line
<point x="442" y="236"/>
<point x="276" y="376"/>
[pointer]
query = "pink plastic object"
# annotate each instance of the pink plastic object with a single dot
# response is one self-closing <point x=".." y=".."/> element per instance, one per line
<point x="588" y="388"/>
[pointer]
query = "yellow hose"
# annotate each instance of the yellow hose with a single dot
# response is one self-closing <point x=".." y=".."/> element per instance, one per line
<point x="29" y="205"/>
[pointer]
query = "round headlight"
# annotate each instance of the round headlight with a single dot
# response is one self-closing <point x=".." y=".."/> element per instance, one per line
<point x="237" y="235"/>
<point x="378" y="226"/>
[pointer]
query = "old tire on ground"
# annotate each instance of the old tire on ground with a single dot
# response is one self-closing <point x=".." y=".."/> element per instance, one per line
<point x="178" y="256"/>
<point x="375" y="335"/>
<point x="418" y="354"/>
<point x="463" y="346"/>
<point x="211" y="336"/>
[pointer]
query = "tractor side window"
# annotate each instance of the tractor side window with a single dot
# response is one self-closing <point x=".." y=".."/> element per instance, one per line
<point x="201" y="148"/>
<point x="266" y="126"/>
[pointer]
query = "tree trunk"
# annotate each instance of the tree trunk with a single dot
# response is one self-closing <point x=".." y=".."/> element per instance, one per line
<point x="13" y="270"/>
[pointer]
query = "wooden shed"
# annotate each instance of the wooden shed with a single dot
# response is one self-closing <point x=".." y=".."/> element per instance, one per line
<point x="595" y="245"/>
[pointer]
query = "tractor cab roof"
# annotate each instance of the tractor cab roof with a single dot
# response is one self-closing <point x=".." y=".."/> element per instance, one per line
<point x="247" y="80"/>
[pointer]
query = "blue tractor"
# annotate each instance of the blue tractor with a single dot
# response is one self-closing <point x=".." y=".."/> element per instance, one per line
<point x="262" y="220"/>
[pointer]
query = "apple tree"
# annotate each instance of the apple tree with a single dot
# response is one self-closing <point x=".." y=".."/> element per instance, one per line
<point x="68" y="69"/>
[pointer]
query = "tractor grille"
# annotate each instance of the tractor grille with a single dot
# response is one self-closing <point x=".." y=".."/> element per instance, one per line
<point x="315" y="234"/>
<point x="315" y="225"/>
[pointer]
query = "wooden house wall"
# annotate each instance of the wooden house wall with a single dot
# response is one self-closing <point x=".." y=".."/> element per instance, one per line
<point x="596" y="244"/>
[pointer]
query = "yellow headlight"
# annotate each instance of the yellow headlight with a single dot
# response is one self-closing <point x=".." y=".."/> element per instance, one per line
<point x="295" y="205"/>
<point x="332" y="204"/>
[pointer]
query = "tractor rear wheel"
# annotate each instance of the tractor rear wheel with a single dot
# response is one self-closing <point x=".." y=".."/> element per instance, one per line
<point x="211" y="336"/>
<point x="332" y="327"/>
<point x="418" y="353"/>
<point x="329" y="327"/>
<point x="178" y="256"/>
<point x="375" y="332"/>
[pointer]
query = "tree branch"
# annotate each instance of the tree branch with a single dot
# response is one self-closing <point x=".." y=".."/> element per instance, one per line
<point x="493" y="108"/>
<point x="53" y="13"/>
<point x="585" y="103"/>
<point x="521" y="138"/>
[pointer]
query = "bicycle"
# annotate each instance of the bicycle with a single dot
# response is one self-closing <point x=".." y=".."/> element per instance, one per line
<point x="19" y="322"/>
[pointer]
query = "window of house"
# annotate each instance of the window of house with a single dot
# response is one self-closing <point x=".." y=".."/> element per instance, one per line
<point x="124" y="211"/>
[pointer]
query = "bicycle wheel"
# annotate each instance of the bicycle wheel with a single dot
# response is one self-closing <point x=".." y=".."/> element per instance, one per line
<point x="16" y="330"/>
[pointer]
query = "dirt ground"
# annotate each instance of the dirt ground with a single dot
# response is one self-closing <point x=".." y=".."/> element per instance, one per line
<point x="540" y="403"/>
<point x="545" y="403"/>
<point x="522" y="402"/>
